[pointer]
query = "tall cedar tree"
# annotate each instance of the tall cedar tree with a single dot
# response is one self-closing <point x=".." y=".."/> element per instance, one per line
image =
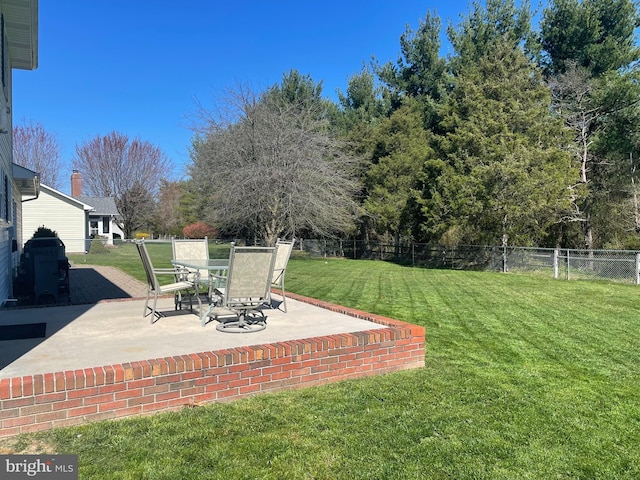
<point x="502" y="175"/>
<point x="402" y="146"/>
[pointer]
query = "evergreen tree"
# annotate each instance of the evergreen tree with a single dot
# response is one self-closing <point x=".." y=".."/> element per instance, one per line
<point x="501" y="176"/>
<point x="590" y="57"/>
<point x="401" y="148"/>
<point x="597" y="35"/>
<point x="420" y="73"/>
<point x="487" y="27"/>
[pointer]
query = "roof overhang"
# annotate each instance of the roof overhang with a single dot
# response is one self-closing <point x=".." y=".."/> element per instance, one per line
<point x="21" y="29"/>
<point x="26" y="180"/>
<point x="65" y="197"/>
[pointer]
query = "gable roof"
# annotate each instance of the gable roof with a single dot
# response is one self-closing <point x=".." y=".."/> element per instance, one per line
<point x="66" y="198"/>
<point x="101" y="205"/>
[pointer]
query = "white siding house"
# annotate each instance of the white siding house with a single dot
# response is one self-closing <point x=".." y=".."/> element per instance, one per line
<point x="104" y="219"/>
<point x="18" y="49"/>
<point x="68" y="216"/>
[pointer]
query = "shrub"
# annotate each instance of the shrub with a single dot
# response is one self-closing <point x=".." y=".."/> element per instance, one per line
<point x="97" y="245"/>
<point x="44" y="232"/>
<point x="141" y="235"/>
<point x="199" y="230"/>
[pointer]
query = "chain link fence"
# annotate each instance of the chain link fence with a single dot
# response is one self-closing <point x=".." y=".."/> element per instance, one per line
<point x="570" y="264"/>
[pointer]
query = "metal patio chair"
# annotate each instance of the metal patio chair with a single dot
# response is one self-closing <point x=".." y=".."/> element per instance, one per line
<point x="181" y="284"/>
<point x="197" y="249"/>
<point x="283" y="252"/>
<point x="245" y="291"/>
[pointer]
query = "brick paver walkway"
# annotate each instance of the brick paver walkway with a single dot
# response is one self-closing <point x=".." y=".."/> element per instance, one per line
<point x="93" y="283"/>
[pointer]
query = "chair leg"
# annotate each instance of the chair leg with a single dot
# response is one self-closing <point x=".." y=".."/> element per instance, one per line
<point x="284" y="300"/>
<point x="268" y="301"/>
<point x="146" y="306"/>
<point x="153" y="310"/>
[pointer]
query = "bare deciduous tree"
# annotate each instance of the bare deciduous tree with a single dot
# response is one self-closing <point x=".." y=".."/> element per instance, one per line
<point x="270" y="168"/>
<point x="573" y="97"/>
<point x="38" y="150"/>
<point x="127" y="170"/>
<point x="168" y="217"/>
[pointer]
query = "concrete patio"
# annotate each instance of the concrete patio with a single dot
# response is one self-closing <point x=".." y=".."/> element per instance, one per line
<point x="108" y="333"/>
<point x="100" y="359"/>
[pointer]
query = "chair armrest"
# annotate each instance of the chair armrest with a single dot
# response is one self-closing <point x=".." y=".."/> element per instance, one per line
<point x="167" y="271"/>
<point x="217" y="280"/>
<point x="180" y="273"/>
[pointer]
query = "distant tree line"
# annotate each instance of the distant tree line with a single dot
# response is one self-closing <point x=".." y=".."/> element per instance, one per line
<point x="521" y="136"/>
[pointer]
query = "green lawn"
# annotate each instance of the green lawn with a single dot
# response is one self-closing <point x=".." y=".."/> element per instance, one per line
<point x="524" y="378"/>
<point x="126" y="257"/>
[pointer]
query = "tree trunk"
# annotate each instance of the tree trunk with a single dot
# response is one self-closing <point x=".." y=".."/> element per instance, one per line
<point x="588" y="227"/>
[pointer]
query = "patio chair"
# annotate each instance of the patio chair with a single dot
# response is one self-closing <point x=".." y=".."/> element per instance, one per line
<point x="193" y="250"/>
<point x="246" y="289"/>
<point x="180" y="284"/>
<point x="283" y="252"/>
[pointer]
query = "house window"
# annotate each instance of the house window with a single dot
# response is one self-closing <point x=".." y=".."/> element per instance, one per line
<point x="93" y="227"/>
<point x="105" y="224"/>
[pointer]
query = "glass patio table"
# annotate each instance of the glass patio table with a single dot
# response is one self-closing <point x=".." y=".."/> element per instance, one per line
<point x="215" y="268"/>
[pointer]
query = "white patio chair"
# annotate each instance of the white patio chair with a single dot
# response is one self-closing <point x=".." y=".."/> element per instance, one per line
<point x="180" y="284"/>
<point x="197" y="249"/>
<point x="283" y="252"/>
<point x="246" y="289"/>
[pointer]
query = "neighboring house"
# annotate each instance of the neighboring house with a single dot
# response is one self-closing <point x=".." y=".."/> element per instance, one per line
<point x="68" y="216"/>
<point x="76" y="219"/>
<point x="104" y="220"/>
<point x="18" y="49"/>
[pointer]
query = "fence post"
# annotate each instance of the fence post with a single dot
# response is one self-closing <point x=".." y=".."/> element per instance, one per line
<point x="555" y="263"/>
<point x="637" y="268"/>
<point x="413" y="254"/>
<point x="568" y="266"/>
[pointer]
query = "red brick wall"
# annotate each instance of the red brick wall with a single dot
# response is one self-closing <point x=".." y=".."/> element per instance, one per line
<point x="39" y="402"/>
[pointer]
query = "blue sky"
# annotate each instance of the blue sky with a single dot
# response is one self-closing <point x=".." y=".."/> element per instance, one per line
<point x="137" y="66"/>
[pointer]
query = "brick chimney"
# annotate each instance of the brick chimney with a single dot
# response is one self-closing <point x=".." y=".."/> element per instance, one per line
<point x="76" y="184"/>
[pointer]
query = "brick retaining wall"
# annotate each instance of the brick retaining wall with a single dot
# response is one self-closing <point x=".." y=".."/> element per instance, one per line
<point x="43" y="401"/>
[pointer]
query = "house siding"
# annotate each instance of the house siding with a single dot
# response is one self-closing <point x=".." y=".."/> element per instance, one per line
<point x="59" y="213"/>
<point x="7" y="222"/>
<point x="17" y="218"/>
<point x="5" y="266"/>
<point x="22" y="43"/>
